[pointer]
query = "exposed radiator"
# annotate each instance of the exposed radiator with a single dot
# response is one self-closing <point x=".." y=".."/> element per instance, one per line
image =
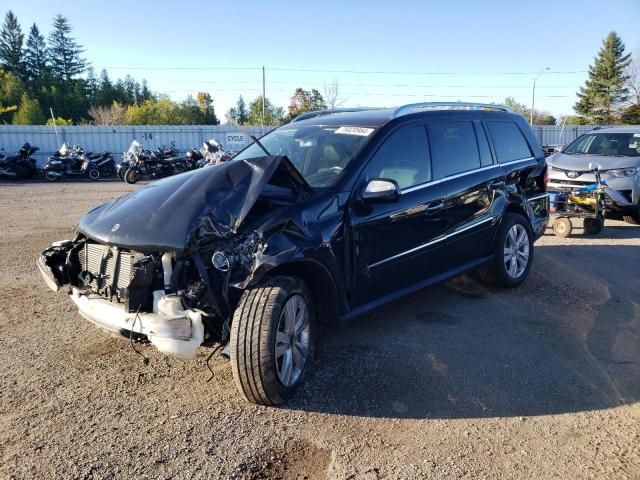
<point x="110" y="268"/>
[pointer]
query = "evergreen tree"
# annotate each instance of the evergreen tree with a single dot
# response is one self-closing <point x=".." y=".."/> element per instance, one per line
<point x="92" y="86"/>
<point x="145" y="93"/>
<point x="105" y="94"/>
<point x="29" y="112"/>
<point x="239" y="113"/>
<point x="606" y="87"/>
<point x="65" y="53"/>
<point x="11" y="41"/>
<point x="35" y="58"/>
<point x="272" y="115"/>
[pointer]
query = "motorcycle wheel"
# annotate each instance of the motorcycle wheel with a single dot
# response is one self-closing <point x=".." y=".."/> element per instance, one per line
<point x="106" y="170"/>
<point x="94" y="174"/>
<point x="131" y="176"/>
<point x="51" y="177"/>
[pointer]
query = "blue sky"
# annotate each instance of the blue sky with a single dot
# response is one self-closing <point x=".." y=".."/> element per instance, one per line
<point x="449" y="50"/>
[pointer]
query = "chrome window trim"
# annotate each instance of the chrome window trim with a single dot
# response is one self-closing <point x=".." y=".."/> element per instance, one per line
<point x="458" y="175"/>
<point x="432" y="242"/>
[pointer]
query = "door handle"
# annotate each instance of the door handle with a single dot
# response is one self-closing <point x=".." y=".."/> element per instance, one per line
<point x="434" y="207"/>
<point x="496" y="184"/>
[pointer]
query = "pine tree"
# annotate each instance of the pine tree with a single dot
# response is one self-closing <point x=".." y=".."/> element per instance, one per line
<point x="36" y="67"/>
<point x="239" y="113"/>
<point x="11" y="41"/>
<point x="65" y="53"/>
<point x="105" y="94"/>
<point x="606" y="87"/>
<point x="145" y="93"/>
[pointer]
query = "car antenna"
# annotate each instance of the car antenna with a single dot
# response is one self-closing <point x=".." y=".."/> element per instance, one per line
<point x="246" y="132"/>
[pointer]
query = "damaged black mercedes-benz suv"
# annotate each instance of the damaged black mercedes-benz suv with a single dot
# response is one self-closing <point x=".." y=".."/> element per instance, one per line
<point x="323" y="219"/>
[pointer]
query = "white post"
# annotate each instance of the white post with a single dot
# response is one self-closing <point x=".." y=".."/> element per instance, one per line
<point x="533" y="94"/>
<point x="55" y="127"/>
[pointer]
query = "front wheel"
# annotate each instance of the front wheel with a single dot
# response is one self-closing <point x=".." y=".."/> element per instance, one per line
<point x="106" y="170"/>
<point x="272" y="340"/>
<point x="513" y="252"/>
<point x="52" y="177"/>
<point x="131" y="176"/>
<point x="94" y="174"/>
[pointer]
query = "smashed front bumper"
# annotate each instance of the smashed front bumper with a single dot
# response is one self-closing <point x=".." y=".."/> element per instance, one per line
<point x="170" y="329"/>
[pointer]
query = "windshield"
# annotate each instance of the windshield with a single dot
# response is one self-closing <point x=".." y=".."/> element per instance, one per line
<point x="612" y="144"/>
<point x="135" y="147"/>
<point x="319" y="152"/>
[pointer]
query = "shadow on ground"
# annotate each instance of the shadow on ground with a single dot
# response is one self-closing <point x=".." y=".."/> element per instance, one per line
<point x="567" y="340"/>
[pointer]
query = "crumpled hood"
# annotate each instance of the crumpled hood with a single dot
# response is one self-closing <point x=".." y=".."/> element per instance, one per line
<point x="165" y="215"/>
<point x="580" y="163"/>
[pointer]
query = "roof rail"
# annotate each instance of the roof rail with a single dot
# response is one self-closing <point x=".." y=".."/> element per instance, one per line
<point x="413" y="107"/>
<point x="331" y="111"/>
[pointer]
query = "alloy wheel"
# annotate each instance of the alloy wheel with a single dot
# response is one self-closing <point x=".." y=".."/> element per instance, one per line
<point x="516" y="251"/>
<point x="292" y="340"/>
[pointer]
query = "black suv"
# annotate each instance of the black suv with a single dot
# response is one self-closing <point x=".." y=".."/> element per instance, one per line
<point x="323" y="219"/>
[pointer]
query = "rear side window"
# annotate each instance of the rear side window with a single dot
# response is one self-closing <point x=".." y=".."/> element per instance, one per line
<point x="454" y="148"/>
<point x="508" y="141"/>
<point x="403" y="157"/>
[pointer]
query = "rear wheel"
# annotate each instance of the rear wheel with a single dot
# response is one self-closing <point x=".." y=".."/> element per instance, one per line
<point x="513" y="252"/>
<point x="106" y="170"/>
<point x="562" y="227"/>
<point x="272" y="340"/>
<point x="593" y="226"/>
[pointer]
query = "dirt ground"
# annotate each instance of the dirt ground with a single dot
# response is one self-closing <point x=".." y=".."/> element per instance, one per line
<point x="457" y="381"/>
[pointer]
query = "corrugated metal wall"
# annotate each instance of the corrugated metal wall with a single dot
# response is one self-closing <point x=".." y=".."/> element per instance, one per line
<point x="117" y="139"/>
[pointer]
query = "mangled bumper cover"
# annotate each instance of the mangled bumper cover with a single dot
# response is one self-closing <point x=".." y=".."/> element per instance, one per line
<point x="173" y="331"/>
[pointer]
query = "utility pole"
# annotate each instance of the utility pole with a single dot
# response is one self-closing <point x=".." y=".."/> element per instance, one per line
<point x="264" y="97"/>
<point x="533" y="94"/>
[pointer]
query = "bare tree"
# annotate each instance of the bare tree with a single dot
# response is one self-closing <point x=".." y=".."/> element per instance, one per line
<point x="331" y="94"/>
<point x="633" y="80"/>
<point x="111" y="115"/>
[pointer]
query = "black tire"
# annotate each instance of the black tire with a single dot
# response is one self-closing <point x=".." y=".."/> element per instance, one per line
<point x="121" y="173"/>
<point x="633" y="218"/>
<point x="131" y="176"/>
<point x="106" y="171"/>
<point x="592" y="226"/>
<point x="562" y="227"/>
<point x="94" y="174"/>
<point x="51" y="177"/>
<point x="253" y="340"/>
<point x="496" y="272"/>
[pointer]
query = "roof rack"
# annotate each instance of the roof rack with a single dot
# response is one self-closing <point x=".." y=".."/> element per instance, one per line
<point x="414" y="107"/>
<point x="331" y="111"/>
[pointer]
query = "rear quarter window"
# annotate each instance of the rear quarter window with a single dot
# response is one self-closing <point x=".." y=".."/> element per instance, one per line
<point x="454" y="148"/>
<point x="508" y="141"/>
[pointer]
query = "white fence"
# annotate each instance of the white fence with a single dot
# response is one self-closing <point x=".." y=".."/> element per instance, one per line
<point x="117" y="139"/>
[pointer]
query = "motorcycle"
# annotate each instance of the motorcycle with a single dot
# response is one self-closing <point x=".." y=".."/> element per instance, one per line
<point x="75" y="162"/>
<point x="135" y="150"/>
<point x="146" y="163"/>
<point x="20" y="165"/>
<point x="213" y="153"/>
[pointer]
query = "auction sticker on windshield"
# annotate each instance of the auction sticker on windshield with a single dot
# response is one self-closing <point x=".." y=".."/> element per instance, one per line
<point x="362" y="131"/>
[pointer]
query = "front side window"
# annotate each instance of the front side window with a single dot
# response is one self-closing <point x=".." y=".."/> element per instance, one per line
<point x="454" y="148"/>
<point x="509" y="142"/>
<point x="403" y="157"/>
<point x="608" y="144"/>
<point x="320" y="153"/>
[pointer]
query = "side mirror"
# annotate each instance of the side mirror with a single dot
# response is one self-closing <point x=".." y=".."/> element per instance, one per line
<point x="558" y="148"/>
<point x="381" y="190"/>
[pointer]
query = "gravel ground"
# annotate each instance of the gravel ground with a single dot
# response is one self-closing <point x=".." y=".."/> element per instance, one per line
<point x="457" y="381"/>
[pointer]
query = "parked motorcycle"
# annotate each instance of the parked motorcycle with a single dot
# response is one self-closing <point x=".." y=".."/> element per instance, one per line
<point x="213" y="153"/>
<point x="76" y="163"/>
<point x="20" y="165"/>
<point x="136" y="150"/>
<point x="150" y="164"/>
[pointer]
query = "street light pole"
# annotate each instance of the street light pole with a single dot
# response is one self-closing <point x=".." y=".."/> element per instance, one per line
<point x="533" y="94"/>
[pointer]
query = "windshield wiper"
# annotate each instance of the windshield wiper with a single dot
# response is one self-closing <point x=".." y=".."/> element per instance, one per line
<point x="253" y="137"/>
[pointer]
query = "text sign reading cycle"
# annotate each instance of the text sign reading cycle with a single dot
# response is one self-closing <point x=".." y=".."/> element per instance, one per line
<point x="236" y="140"/>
